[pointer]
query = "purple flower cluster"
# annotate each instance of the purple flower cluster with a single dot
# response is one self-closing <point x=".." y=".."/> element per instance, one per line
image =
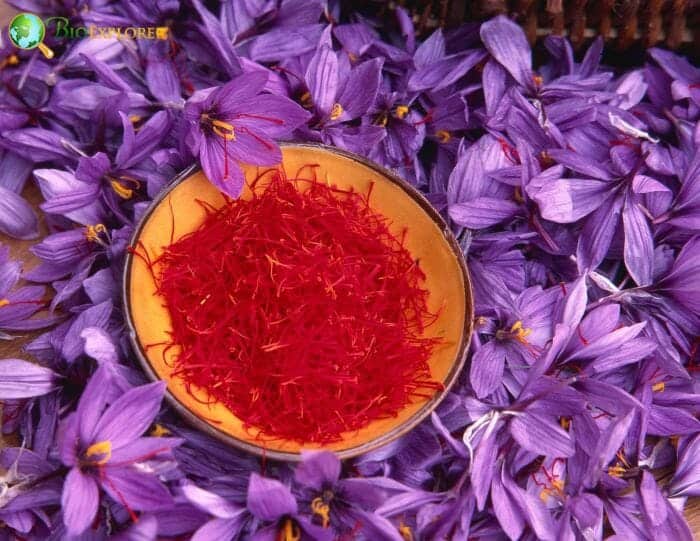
<point x="574" y="192"/>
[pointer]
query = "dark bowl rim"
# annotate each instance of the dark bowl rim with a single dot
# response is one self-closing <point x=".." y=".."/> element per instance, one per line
<point x="373" y="444"/>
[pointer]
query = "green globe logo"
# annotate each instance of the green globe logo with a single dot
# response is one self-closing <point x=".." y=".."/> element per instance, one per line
<point x="27" y="31"/>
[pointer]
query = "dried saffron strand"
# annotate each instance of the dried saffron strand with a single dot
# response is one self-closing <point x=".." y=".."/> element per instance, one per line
<point x="299" y="310"/>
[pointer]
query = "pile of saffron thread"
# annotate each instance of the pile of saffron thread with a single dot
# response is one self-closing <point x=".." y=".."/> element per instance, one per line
<point x="300" y="311"/>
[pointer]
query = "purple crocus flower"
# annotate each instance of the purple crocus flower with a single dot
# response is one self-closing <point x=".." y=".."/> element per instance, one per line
<point x="610" y="191"/>
<point x="520" y="328"/>
<point x="18" y="305"/>
<point x="101" y="443"/>
<point x="237" y="123"/>
<point x="345" y="505"/>
<point x="29" y="485"/>
<point x="270" y="512"/>
<point x="338" y="94"/>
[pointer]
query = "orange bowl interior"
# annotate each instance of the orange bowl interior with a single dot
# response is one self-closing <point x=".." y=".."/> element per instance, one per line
<point x="425" y="240"/>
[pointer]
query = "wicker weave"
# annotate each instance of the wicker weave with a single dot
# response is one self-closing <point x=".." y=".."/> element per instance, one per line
<point x="626" y="25"/>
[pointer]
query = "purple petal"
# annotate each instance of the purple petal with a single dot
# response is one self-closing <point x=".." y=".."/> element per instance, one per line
<point x="579" y="163"/>
<point x="669" y="421"/>
<point x="211" y="503"/>
<point x="139" y="146"/>
<point x="141" y="491"/>
<point x="223" y="529"/>
<point x="653" y="501"/>
<point x="567" y="200"/>
<point x="483" y="212"/>
<point x="606" y="345"/>
<point x="507" y="43"/>
<point x="318" y="469"/>
<point x="686" y="480"/>
<point x="361" y="88"/>
<point x="639" y="244"/>
<point x="431" y="50"/>
<point x="215" y="168"/>
<point x="269" y="499"/>
<point x="508" y="513"/>
<point x="143" y="450"/>
<point x="542" y="435"/>
<point x="17" y="219"/>
<point x="486" y="371"/>
<point x="597" y="234"/>
<point x="227" y="98"/>
<point x="444" y="72"/>
<point x="322" y="79"/>
<point x="65" y="194"/>
<point x="270" y="115"/>
<point x="406" y="502"/>
<point x="609" y="443"/>
<point x="161" y="75"/>
<point x="97" y="393"/>
<point x="95" y="316"/>
<point x="628" y="353"/>
<point x="99" y="345"/>
<point x="14" y="171"/>
<point x="532" y="508"/>
<point x="484" y="464"/>
<point x="79" y="501"/>
<point x="588" y="510"/>
<point x="280" y="43"/>
<point x="22" y="379"/>
<point x="38" y="144"/>
<point x="130" y="415"/>
<point x="146" y="529"/>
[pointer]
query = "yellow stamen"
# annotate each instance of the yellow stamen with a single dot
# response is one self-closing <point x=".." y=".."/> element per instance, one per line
<point x="92" y="232"/>
<point x="382" y="119"/>
<point x="443" y="136"/>
<point x="336" y="111"/>
<point x="352" y="57"/>
<point x="616" y="471"/>
<point x="322" y="509"/>
<point x="224" y="130"/>
<point x="135" y="118"/>
<point x="401" y="111"/>
<point x="544" y="495"/>
<point x="565" y="422"/>
<point x="521" y="333"/>
<point x="658" y="387"/>
<point x="121" y="190"/>
<point x="406" y="532"/>
<point x="305" y="100"/>
<point x="537" y="79"/>
<point x="621" y="457"/>
<point x="4" y="302"/>
<point x="289" y="531"/>
<point x="159" y="431"/>
<point x="103" y="449"/>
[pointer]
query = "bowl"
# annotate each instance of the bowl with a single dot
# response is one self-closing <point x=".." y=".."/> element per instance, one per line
<point x="177" y="212"/>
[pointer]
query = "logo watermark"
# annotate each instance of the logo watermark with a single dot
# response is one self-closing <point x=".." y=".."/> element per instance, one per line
<point x="28" y="31"/>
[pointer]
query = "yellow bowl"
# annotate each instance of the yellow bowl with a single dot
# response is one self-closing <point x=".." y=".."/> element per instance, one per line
<point x="429" y="239"/>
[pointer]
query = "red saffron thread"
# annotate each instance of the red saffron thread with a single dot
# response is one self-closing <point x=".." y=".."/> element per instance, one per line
<point x="299" y="310"/>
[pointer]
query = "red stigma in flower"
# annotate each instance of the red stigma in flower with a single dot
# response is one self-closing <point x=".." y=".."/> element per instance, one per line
<point x="510" y="151"/>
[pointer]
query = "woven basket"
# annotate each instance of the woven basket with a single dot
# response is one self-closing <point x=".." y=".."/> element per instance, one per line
<point x="628" y="26"/>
